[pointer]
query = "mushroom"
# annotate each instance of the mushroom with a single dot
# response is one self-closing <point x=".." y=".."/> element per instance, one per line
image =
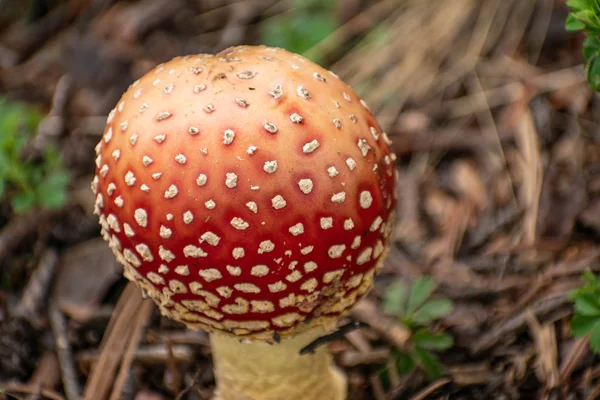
<point x="251" y="194"/>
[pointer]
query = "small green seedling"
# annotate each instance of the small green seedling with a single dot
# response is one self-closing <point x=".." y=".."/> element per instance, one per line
<point x="585" y="16"/>
<point x="28" y="184"/>
<point x="586" y="320"/>
<point x="308" y="22"/>
<point x="416" y="310"/>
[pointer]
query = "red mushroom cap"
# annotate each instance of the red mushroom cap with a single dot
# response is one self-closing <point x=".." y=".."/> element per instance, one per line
<point x="250" y="192"/>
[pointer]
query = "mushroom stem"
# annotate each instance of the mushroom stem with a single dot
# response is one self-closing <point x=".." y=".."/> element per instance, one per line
<point x="256" y="370"/>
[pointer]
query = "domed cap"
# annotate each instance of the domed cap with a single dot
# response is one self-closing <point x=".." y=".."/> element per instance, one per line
<point x="250" y="192"/>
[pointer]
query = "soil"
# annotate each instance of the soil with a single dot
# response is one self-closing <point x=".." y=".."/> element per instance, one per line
<point x="498" y="146"/>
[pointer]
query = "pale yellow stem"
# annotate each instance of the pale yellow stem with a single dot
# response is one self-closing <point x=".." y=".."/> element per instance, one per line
<point x="255" y="370"/>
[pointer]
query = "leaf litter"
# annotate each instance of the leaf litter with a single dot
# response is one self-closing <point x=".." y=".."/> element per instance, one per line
<point x="499" y="157"/>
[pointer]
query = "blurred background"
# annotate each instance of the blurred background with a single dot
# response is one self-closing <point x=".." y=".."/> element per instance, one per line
<point x="498" y="146"/>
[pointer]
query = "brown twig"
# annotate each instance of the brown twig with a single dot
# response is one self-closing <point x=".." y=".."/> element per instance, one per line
<point x="115" y="339"/>
<point x="63" y="349"/>
<point x="544" y="337"/>
<point x="352" y="358"/>
<point x="140" y="323"/>
<point x="512" y="91"/>
<point x="26" y="389"/>
<point x="37" y="288"/>
<point x="175" y="381"/>
<point x="17" y="228"/>
<point x="496" y="334"/>
<point x="448" y="139"/>
<point x="147" y="355"/>
<point x="594" y="394"/>
<point x="432" y="387"/>
<point x="53" y="124"/>
<point x="366" y="311"/>
<point x="529" y="196"/>
<point x="377" y="387"/>
<point x="356" y="25"/>
<point x="189" y="387"/>
<point x="578" y="351"/>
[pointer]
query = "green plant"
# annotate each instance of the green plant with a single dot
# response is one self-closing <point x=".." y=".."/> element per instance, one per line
<point x="585" y="16"/>
<point x="28" y="184"/>
<point x="586" y="319"/>
<point x="306" y="24"/>
<point x="415" y="309"/>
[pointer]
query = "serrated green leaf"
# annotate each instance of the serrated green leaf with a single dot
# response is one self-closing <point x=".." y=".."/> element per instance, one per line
<point x="581" y="325"/>
<point x="419" y="292"/>
<point x="432" y="310"/>
<point x="428" y="341"/>
<point x="428" y="362"/>
<point x="394" y="300"/>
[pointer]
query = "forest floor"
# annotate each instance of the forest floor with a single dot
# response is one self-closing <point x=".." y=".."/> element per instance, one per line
<point x="498" y="152"/>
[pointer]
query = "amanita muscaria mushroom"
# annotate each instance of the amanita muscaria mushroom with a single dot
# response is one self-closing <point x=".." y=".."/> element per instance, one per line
<point x="251" y="194"/>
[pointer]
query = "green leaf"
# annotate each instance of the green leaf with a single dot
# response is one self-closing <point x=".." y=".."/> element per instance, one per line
<point x="587" y="304"/>
<point x="581" y="325"/>
<point x="404" y="363"/>
<point x="53" y="199"/>
<point x="573" y="24"/>
<point x="590" y="278"/>
<point x="23" y="201"/>
<point x="30" y="183"/>
<point x="428" y="362"/>
<point x="299" y="30"/>
<point x="52" y="190"/>
<point x="420" y="291"/>
<point x="394" y="300"/>
<point x="428" y="341"/>
<point x="584" y="15"/>
<point x="593" y="73"/>
<point x="591" y="47"/>
<point x="580" y="4"/>
<point x="432" y="310"/>
<point x="595" y="338"/>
